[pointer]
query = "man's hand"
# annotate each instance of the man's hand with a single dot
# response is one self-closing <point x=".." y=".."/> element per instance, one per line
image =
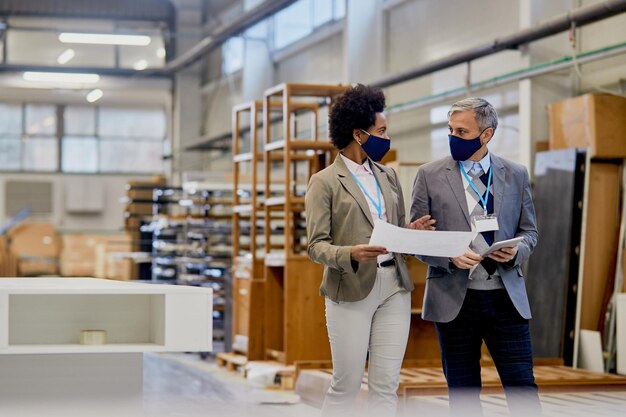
<point x="467" y="260"/>
<point x="504" y="254"/>
<point x="423" y="223"/>
<point x="364" y="253"/>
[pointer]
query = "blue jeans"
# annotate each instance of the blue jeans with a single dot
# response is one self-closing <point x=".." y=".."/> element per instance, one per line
<point x="492" y="317"/>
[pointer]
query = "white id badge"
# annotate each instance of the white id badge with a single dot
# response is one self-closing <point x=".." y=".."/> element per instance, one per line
<point x="488" y="223"/>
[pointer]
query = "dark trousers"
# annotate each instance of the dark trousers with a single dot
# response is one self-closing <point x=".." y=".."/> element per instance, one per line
<point x="492" y="317"/>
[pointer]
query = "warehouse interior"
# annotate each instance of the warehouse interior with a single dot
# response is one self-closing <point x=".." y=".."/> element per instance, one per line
<point x="170" y="143"/>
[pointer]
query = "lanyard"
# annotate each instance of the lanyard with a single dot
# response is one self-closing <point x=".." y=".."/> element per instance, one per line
<point x="486" y="197"/>
<point x="379" y="206"/>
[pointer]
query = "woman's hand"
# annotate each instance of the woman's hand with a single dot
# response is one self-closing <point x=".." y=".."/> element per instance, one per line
<point x="364" y="253"/>
<point x="423" y="223"/>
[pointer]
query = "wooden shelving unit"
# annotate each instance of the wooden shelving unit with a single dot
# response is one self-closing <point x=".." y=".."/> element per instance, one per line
<point x="293" y="151"/>
<point x="248" y="280"/>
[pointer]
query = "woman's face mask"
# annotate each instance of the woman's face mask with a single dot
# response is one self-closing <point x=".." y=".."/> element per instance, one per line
<point x="375" y="147"/>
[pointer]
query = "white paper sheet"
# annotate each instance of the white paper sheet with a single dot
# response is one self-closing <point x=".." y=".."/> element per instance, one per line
<point x="419" y="242"/>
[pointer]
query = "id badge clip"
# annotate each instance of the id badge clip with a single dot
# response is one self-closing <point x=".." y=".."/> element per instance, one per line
<point x="485" y="223"/>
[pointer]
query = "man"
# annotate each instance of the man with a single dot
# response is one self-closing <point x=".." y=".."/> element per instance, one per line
<point x="472" y="298"/>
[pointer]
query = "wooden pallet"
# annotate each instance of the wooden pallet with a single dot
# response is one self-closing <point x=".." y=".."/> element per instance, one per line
<point x="312" y="384"/>
<point x="231" y="361"/>
<point x="285" y="375"/>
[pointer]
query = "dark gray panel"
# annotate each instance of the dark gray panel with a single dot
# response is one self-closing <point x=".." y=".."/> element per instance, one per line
<point x="553" y="267"/>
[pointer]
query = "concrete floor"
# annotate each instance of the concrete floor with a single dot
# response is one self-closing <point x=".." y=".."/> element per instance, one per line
<point x="185" y="385"/>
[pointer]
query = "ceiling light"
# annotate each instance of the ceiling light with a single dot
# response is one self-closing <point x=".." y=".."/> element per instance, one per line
<point x="66" y="56"/>
<point x="61" y="77"/>
<point x="160" y="53"/>
<point x="94" y="95"/>
<point x="141" y="65"/>
<point x="105" y="39"/>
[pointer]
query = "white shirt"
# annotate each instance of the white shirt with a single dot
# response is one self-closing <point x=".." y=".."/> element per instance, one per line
<point x="368" y="180"/>
<point x="473" y="167"/>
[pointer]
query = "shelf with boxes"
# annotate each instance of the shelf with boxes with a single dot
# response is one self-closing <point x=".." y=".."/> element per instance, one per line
<point x="190" y="244"/>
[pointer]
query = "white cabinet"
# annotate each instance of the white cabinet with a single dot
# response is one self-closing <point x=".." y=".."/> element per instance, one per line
<point x="41" y="320"/>
<point x="46" y="315"/>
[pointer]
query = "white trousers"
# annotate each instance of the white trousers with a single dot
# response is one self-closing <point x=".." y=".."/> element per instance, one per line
<point x="378" y="324"/>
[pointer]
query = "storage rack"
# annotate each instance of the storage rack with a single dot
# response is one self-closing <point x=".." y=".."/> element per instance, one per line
<point x="191" y="244"/>
<point x="248" y="279"/>
<point x="294" y="311"/>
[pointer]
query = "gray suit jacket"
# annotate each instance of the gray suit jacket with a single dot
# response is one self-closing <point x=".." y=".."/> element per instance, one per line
<point x="338" y="217"/>
<point x="438" y="191"/>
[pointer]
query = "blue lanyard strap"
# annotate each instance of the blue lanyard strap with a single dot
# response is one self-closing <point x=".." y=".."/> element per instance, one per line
<point x="484" y="199"/>
<point x="379" y="205"/>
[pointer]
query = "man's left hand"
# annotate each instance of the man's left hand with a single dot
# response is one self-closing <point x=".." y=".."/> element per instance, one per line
<point x="504" y="254"/>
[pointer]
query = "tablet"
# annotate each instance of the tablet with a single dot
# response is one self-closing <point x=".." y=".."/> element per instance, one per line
<point x="510" y="243"/>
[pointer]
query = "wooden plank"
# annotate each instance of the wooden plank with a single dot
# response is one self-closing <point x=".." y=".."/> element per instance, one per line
<point x="274" y="308"/>
<point x="306" y="337"/>
<point x="601" y="242"/>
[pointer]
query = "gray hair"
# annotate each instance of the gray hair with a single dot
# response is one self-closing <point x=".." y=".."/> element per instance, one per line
<point x="485" y="114"/>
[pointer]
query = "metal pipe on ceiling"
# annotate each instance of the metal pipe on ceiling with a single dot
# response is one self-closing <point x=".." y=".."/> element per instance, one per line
<point x="515" y="76"/>
<point x="578" y="17"/>
<point x="239" y="25"/>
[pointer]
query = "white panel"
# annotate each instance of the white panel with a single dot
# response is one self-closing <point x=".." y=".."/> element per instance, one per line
<point x="188" y="322"/>
<point x="4" y="321"/>
<point x="84" y="195"/>
<point x="58" y="319"/>
<point x="111" y="382"/>
<point x="621" y="334"/>
<point x="590" y="357"/>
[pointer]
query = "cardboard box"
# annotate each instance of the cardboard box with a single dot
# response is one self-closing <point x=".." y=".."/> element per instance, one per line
<point x="139" y="208"/>
<point x="117" y="243"/>
<point x="78" y="257"/>
<point x="8" y="261"/>
<point x="594" y="121"/>
<point x="120" y="268"/>
<point x="35" y="239"/>
<point x="29" y="267"/>
<point x="139" y="194"/>
<point x="77" y="268"/>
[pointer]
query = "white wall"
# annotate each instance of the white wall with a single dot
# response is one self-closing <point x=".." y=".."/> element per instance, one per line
<point x="112" y="188"/>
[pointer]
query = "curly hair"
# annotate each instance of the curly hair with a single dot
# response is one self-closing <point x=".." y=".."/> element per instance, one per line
<point x="355" y="108"/>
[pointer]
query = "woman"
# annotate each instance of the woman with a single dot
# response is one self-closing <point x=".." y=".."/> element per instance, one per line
<point x="367" y="289"/>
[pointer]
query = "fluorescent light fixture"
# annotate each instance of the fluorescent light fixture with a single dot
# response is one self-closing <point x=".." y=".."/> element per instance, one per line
<point x="160" y="53"/>
<point x="94" y="95"/>
<point x="104" y="39"/>
<point x="141" y="65"/>
<point x="61" y="77"/>
<point x="66" y="56"/>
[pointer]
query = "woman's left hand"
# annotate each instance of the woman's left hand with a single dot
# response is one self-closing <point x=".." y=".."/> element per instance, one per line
<point x="423" y="223"/>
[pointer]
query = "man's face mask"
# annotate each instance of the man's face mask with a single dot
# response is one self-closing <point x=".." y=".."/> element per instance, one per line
<point x="462" y="149"/>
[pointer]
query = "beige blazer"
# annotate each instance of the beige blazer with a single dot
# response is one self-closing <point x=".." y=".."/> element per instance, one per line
<point x="338" y="217"/>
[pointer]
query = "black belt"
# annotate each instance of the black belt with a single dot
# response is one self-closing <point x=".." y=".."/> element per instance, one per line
<point x="385" y="264"/>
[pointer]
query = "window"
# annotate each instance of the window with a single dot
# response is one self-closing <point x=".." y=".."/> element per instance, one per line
<point x="232" y="55"/>
<point x="303" y="17"/>
<point x="10" y="136"/>
<point x="287" y="26"/>
<point x="39" y="144"/>
<point x="93" y="139"/>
